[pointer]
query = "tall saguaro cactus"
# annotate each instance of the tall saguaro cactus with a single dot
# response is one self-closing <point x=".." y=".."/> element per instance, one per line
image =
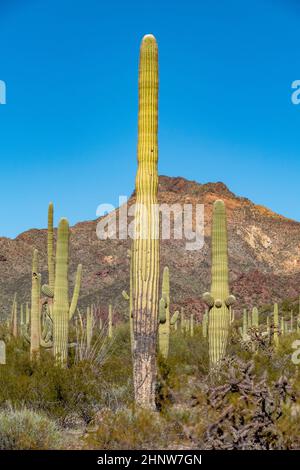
<point x="145" y="249"/>
<point x="62" y="310"/>
<point x="218" y="300"/>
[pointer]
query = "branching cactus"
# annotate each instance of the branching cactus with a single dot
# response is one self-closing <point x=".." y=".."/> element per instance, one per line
<point x="276" y="326"/>
<point x="164" y="315"/>
<point x="145" y="248"/>
<point x="218" y="299"/>
<point x="62" y="310"/>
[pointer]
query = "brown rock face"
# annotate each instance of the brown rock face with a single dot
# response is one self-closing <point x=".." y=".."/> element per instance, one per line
<point x="264" y="255"/>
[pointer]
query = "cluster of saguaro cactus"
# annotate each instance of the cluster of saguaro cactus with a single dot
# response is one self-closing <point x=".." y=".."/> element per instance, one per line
<point x="145" y="247"/>
<point x="218" y="299"/>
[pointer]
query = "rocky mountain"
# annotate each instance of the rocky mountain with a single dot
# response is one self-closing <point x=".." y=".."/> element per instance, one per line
<point x="264" y="255"/>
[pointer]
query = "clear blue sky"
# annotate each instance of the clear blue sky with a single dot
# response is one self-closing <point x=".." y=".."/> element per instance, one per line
<point x="68" y="131"/>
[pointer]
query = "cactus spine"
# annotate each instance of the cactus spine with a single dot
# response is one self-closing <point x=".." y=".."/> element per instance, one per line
<point x="164" y="315"/>
<point x="219" y="320"/>
<point x="145" y="251"/>
<point x="62" y="310"/>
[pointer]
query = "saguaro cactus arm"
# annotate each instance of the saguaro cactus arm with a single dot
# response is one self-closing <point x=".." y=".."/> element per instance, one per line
<point x="76" y="291"/>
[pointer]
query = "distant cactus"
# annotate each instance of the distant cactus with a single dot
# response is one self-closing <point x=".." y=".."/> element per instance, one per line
<point x="192" y="325"/>
<point x="182" y="320"/>
<point x="245" y="324"/>
<point x="205" y="324"/>
<point x="14" y="317"/>
<point x="255" y="320"/>
<point x="276" y="326"/>
<point x="218" y="299"/>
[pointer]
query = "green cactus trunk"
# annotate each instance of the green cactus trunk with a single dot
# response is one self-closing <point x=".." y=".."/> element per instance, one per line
<point x="145" y="248"/>
<point x="219" y="319"/>
<point x="62" y="311"/>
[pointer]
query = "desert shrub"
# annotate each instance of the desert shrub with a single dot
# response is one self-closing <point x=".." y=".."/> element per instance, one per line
<point x="27" y="430"/>
<point x="127" y="430"/>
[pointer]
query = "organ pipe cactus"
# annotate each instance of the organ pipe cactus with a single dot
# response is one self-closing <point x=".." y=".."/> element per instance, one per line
<point x="218" y="299"/>
<point x="145" y="248"/>
<point x="62" y="310"/>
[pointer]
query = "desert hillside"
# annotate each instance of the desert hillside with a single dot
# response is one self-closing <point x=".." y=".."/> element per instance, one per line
<point x="264" y="255"/>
